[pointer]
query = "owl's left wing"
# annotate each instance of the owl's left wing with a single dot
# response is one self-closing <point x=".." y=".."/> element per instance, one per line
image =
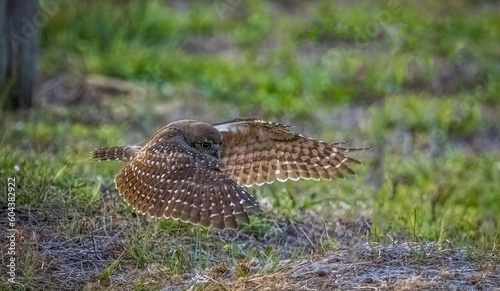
<point x="257" y="152"/>
<point x="167" y="178"/>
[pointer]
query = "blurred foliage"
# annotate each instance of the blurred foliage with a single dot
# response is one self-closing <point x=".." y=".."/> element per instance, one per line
<point x="252" y="54"/>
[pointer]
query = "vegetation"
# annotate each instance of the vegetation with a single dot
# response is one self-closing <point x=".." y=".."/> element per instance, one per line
<point x="418" y="79"/>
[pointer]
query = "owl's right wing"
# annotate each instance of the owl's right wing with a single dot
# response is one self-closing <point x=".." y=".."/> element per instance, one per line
<point x="167" y="178"/>
<point x="256" y="152"/>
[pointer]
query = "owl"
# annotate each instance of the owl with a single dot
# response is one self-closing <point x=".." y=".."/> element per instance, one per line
<point x="196" y="172"/>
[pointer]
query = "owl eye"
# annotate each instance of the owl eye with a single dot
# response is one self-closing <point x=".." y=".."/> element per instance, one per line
<point x="206" y="145"/>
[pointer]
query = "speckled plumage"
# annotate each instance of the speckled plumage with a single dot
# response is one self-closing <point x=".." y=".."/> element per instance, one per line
<point x="177" y="175"/>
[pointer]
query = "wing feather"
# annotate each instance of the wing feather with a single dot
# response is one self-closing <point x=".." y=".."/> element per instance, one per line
<point x="167" y="178"/>
<point x="257" y="152"/>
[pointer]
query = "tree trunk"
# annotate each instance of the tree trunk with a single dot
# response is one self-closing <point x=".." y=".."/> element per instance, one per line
<point x="18" y="43"/>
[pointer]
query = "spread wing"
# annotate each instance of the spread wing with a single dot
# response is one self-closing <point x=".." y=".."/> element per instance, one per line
<point x="257" y="152"/>
<point x="167" y="178"/>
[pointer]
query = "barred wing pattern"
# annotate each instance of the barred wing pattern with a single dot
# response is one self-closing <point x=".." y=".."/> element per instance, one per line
<point x="168" y="178"/>
<point x="257" y="152"/>
<point x="123" y="153"/>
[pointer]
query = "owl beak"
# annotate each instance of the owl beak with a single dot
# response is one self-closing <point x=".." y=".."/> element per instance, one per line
<point x="217" y="151"/>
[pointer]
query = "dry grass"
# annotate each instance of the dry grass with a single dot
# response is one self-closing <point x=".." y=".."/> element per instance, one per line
<point x="82" y="261"/>
<point x="376" y="267"/>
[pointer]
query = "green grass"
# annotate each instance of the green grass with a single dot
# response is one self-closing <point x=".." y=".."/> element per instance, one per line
<point x="435" y="67"/>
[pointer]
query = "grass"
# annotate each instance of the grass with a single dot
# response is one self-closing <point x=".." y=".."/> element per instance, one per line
<point x="420" y="80"/>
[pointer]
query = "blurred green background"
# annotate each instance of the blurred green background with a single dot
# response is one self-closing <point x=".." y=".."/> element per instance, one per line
<point x="420" y="79"/>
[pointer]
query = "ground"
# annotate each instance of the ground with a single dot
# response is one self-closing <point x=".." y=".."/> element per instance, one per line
<point x="419" y="80"/>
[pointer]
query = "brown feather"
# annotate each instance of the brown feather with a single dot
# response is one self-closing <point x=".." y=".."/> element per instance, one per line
<point x="167" y="178"/>
<point x="257" y="152"/>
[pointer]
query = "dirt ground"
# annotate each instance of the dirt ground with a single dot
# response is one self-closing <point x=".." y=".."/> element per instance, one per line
<point x="378" y="267"/>
<point x="77" y="263"/>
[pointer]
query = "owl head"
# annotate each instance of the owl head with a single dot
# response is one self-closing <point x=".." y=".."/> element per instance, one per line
<point x="201" y="136"/>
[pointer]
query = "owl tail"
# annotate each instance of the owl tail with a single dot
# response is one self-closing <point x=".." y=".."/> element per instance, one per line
<point x="123" y="153"/>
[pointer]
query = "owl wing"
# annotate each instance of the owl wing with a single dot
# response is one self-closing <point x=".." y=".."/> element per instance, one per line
<point x="257" y="152"/>
<point x="167" y="178"/>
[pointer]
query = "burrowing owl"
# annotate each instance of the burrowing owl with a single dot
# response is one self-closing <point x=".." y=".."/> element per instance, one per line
<point x="194" y="171"/>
